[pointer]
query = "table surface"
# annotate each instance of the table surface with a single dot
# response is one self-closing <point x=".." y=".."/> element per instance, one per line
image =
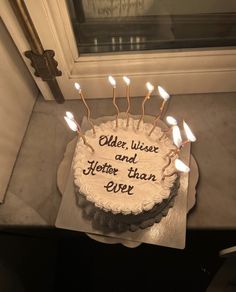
<point x="33" y="199"/>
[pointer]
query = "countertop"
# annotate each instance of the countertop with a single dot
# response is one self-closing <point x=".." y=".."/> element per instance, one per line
<point x="33" y="199"/>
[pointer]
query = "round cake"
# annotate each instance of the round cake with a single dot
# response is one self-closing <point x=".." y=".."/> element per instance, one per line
<point x="119" y="186"/>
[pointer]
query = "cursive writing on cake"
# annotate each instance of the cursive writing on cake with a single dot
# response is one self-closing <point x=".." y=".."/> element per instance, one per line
<point x="96" y="167"/>
<point x="142" y="147"/>
<point x="133" y="173"/>
<point x="111" y="141"/>
<point x="115" y="188"/>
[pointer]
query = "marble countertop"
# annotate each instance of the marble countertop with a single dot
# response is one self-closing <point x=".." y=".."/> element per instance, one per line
<point x="33" y="198"/>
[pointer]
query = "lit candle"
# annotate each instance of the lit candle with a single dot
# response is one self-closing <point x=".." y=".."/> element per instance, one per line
<point x="172" y="122"/>
<point x="165" y="97"/>
<point x="180" y="167"/>
<point x="177" y="139"/>
<point x="77" y="86"/>
<point x="71" y="117"/>
<point x="189" y="134"/>
<point x="113" y="83"/>
<point x="150" y="89"/>
<point x="74" y="126"/>
<point x="127" y="81"/>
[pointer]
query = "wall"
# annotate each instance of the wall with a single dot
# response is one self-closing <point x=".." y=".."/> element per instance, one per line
<point x="18" y="94"/>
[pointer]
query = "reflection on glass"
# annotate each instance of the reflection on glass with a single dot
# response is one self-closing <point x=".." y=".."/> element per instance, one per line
<point x="135" y="25"/>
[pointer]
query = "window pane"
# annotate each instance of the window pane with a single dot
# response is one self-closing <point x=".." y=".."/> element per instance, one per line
<point x="134" y="25"/>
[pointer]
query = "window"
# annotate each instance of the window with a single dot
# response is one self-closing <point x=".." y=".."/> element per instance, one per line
<point x="185" y="48"/>
<point x="138" y="25"/>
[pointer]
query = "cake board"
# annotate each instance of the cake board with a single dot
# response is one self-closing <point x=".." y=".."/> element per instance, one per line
<point x="169" y="232"/>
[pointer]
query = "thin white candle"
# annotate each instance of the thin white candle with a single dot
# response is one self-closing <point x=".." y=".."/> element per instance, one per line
<point x="127" y="82"/>
<point x="172" y="122"/>
<point x="189" y="134"/>
<point x="177" y="139"/>
<point x="150" y="89"/>
<point x="113" y="83"/>
<point x="180" y="167"/>
<point x="77" y="87"/>
<point x="165" y="96"/>
<point x="74" y="126"/>
<point x="71" y="117"/>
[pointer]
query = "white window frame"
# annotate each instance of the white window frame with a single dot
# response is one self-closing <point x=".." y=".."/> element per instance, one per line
<point x="181" y="71"/>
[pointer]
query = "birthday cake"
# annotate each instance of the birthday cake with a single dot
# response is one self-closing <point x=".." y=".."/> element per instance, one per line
<point x="120" y="184"/>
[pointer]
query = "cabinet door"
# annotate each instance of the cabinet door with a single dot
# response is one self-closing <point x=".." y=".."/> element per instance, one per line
<point x="183" y="56"/>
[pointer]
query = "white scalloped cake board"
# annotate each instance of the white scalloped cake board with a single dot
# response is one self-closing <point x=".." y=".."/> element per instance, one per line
<point x="169" y="232"/>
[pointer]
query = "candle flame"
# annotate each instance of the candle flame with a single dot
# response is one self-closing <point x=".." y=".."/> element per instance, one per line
<point x="72" y="125"/>
<point x="189" y="133"/>
<point x="126" y="80"/>
<point x="150" y="87"/>
<point x="171" y="121"/>
<point x="163" y="93"/>
<point x="177" y="136"/>
<point x="112" y="81"/>
<point x="179" y="165"/>
<point x="77" y="86"/>
<point x="70" y="115"/>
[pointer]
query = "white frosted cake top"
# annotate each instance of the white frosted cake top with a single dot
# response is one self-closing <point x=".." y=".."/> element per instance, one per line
<point x="124" y="173"/>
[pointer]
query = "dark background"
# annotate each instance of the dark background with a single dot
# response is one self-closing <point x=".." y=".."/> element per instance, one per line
<point x="59" y="260"/>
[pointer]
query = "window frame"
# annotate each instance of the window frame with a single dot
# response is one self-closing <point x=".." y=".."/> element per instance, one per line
<point x="180" y="71"/>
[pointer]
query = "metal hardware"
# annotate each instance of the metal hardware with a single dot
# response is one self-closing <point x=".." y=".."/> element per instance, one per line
<point x="42" y="60"/>
<point x="44" y="64"/>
